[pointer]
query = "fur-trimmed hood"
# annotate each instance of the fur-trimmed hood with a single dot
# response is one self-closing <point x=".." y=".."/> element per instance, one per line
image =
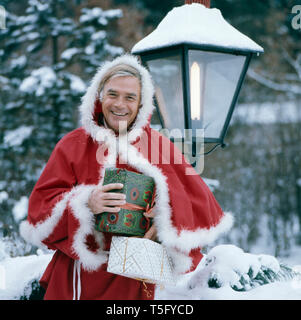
<point x="90" y="101"/>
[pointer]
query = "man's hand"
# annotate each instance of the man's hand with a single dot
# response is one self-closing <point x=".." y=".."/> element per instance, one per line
<point x="151" y="234"/>
<point x="101" y="200"/>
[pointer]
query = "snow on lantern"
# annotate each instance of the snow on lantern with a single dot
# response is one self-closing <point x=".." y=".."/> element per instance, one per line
<point x="198" y="62"/>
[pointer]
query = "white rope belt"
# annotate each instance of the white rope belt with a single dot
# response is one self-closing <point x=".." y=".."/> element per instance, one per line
<point x="76" y="271"/>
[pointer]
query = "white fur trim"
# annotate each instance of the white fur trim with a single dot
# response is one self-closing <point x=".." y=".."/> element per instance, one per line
<point x="77" y="198"/>
<point x="181" y="261"/>
<point x="35" y="234"/>
<point x="203" y="237"/>
<point x="147" y="91"/>
<point x="90" y="261"/>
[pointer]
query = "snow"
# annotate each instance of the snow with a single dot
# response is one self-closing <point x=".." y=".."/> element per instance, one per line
<point x="273" y="291"/>
<point x="2" y="16"/>
<point x="38" y="81"/>
<point x="287" y="87"/>
<point x="33" y="35"/>
<point x="90" y="49"/>
<point x="99" y="14"/>
<point x="18" y="272"/>
<point x="91" y="14"/>
<point x="77" y="84"/>
<point x="227" y="262"/>
<point x="40" y="6"/>
<point x="16" y="137"/>
<point x="113" y="50"/>
<point x="114" y="13"/>
<point x="194" y="23"/>
<point x="69" y="53"/>
<point x="100" y="35"/>
<point x="20" y="209"/>
<point x="268" y="113"/>
<point x="28" y="19"/>
<point x="3" y="196"/>
<point x="4" y="80"/>
<point x="28" y="28"/>
<point x="18" y="62"/>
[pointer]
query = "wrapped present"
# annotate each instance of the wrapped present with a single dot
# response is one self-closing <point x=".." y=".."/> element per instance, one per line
<point x="130" y="220"/>
<point x="141" y="259"/>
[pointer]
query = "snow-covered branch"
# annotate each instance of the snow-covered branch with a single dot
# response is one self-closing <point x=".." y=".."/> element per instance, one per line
<point x="289" y="87"/>
<point x="283" y="87"/>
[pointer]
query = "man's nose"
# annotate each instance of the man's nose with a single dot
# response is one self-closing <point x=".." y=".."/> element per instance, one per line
<point x="119" y="102"/>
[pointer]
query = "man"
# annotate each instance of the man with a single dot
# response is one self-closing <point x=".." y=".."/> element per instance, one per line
<point x="120" y="97"/>
<point x="115" y="132"/>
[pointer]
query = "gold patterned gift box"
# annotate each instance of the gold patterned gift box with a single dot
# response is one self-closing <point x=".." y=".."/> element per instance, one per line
<point x="141" y="259"/>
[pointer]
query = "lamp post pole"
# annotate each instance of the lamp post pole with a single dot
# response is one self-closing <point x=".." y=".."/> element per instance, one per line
<point x="206" y="3"/>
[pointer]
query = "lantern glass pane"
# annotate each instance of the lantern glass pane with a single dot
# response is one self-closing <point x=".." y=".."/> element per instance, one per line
<point x="214" y="77"/>
<point x="167" y="76"/>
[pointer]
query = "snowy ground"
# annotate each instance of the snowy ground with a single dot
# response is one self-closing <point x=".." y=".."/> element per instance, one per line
<point x="227" y="262"/>
<point x="17" y="273"/>
<point x="272" y="291"/>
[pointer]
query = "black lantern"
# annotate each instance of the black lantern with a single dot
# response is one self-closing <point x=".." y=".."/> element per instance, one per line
<point x="198" y="63"/>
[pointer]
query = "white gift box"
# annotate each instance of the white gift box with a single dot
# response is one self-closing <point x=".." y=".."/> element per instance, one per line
<point x="141" y="259"/>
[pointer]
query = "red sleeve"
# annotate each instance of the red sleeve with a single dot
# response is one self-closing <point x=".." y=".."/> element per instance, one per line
<point x="54" y="184"/>
<point x="58" y="215"/>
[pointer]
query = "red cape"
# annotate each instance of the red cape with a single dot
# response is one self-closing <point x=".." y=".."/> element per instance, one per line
<point x="187" y="214"/>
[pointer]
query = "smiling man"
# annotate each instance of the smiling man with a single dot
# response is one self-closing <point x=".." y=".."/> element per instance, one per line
<point x="120" y="96"/>
<point x="70" y="191"/>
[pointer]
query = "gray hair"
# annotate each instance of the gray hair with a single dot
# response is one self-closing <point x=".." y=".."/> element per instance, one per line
<point x="120" y="70"/>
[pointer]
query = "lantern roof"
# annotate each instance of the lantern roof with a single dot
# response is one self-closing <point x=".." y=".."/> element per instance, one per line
<point x="196" y="24"/>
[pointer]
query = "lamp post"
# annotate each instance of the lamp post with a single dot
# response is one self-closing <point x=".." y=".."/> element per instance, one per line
<point x="198" y="62"/>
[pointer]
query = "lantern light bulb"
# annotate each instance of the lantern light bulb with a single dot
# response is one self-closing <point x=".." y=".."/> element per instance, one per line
<point x="195" y="91"/>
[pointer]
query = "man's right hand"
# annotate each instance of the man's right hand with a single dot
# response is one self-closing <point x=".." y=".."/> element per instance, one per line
<point x="102" y="200"/>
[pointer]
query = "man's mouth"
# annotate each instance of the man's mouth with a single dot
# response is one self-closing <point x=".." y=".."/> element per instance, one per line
<point x="119" y="114"/>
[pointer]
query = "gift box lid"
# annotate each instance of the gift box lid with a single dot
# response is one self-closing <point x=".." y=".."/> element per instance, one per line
<point x="141" y="259"/>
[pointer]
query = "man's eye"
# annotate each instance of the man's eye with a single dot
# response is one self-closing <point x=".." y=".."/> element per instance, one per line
<point x="130" y="98"/>
<point x="112" y="94"/>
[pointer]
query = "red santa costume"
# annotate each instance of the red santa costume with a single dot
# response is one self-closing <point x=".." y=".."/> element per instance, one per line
<point x="187" y="216"/>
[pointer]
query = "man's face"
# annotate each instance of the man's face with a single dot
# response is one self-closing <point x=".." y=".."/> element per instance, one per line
<point x="121" y="100"/>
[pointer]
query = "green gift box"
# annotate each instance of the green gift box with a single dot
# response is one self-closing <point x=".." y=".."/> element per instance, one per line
<point x="139" y="190"/>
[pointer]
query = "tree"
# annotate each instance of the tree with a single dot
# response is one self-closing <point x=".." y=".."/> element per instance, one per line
<point x="47" y="55"/>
